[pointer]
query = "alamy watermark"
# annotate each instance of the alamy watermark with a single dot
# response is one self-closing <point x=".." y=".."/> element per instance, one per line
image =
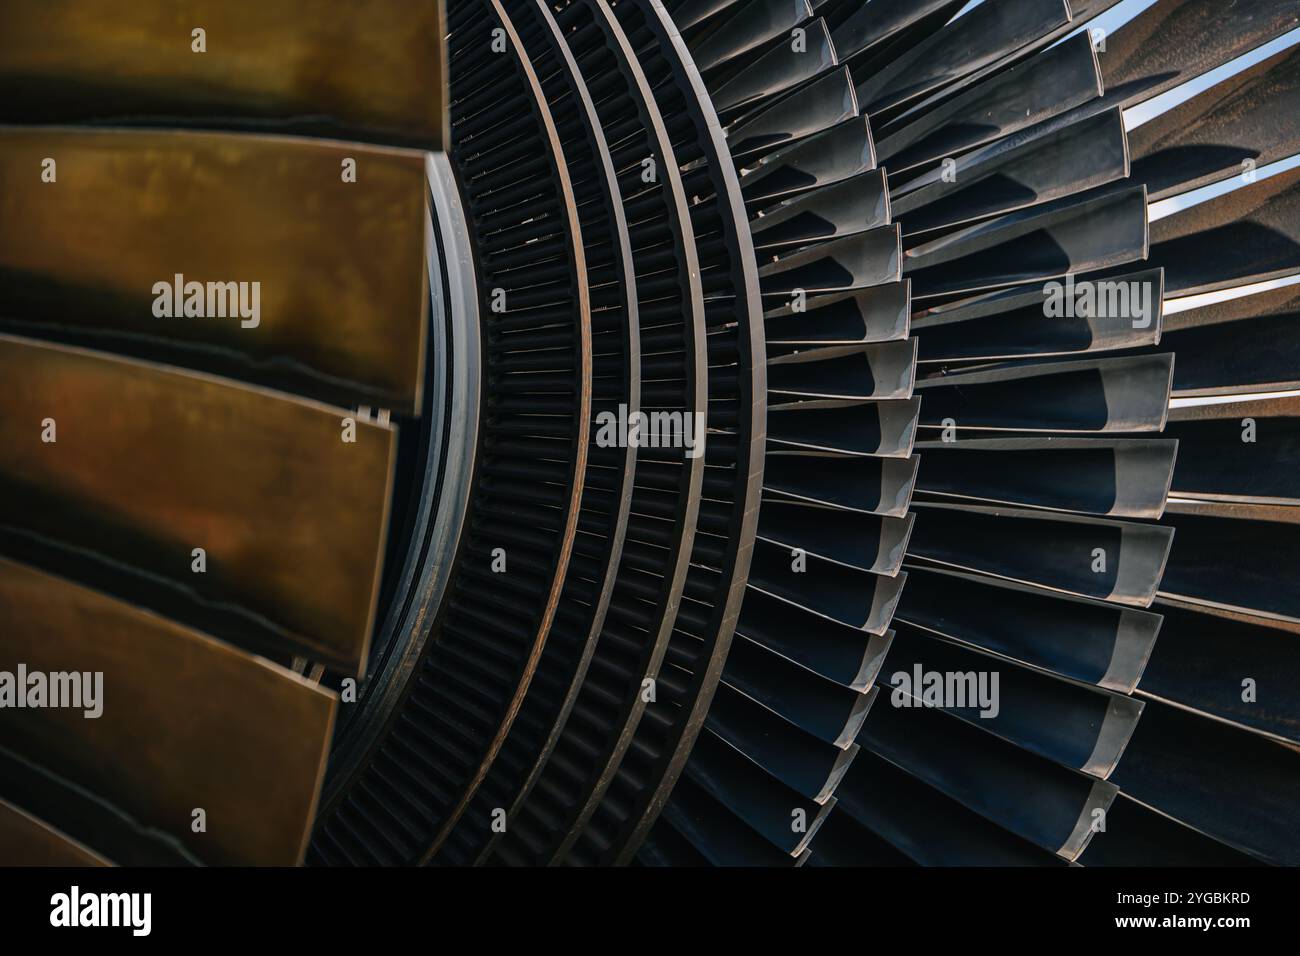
<point x="214" y="300"/>
<point x="625" y="429"/>
<point x="1100" y="299"/>
<point x="955" y="690"/>
<point x="133" y="911"/>
<point x="59" y="690"/>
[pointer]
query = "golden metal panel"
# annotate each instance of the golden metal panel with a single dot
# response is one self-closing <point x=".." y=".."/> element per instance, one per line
<point x="340" y="266"/>
<point x="364" y="69"/>
<point x="187" y="722"/>
<point x="27" y="841"/>
<point x="151" y="462"/>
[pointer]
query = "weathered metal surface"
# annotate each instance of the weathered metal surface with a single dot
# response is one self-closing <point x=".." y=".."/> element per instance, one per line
<point x="355" y="71"/>
<point x="1249" y="235"/>
<point x="27" y="841"/>
<point x="1097" y="395"/>
<point x="1173" y="41"/>
<point x="1018" y="171"/>
<point x="1121" y="477"/>
<point x="185" y="722"/>
<point x="1055" y="81"/>
<point x="986" y="35"/>
<point x="337" y="267"/>
<point x="1250" y="118"/>
<point x="148" y="463"/>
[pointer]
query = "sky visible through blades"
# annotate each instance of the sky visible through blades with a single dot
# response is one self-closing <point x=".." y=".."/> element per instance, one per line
<point x="1112" y="20"/>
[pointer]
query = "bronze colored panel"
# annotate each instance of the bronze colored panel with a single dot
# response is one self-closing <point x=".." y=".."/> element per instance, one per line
<point x="342" y="281"/>
<point x="151" y="462"/>
<point x="27" y="841"/>
<point x="186" y="721"/>
<point x="358" y="70"/>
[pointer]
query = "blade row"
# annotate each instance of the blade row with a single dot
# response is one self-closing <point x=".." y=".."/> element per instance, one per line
<point x="213" y="329"/>
<point x="1024" y="563"/>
